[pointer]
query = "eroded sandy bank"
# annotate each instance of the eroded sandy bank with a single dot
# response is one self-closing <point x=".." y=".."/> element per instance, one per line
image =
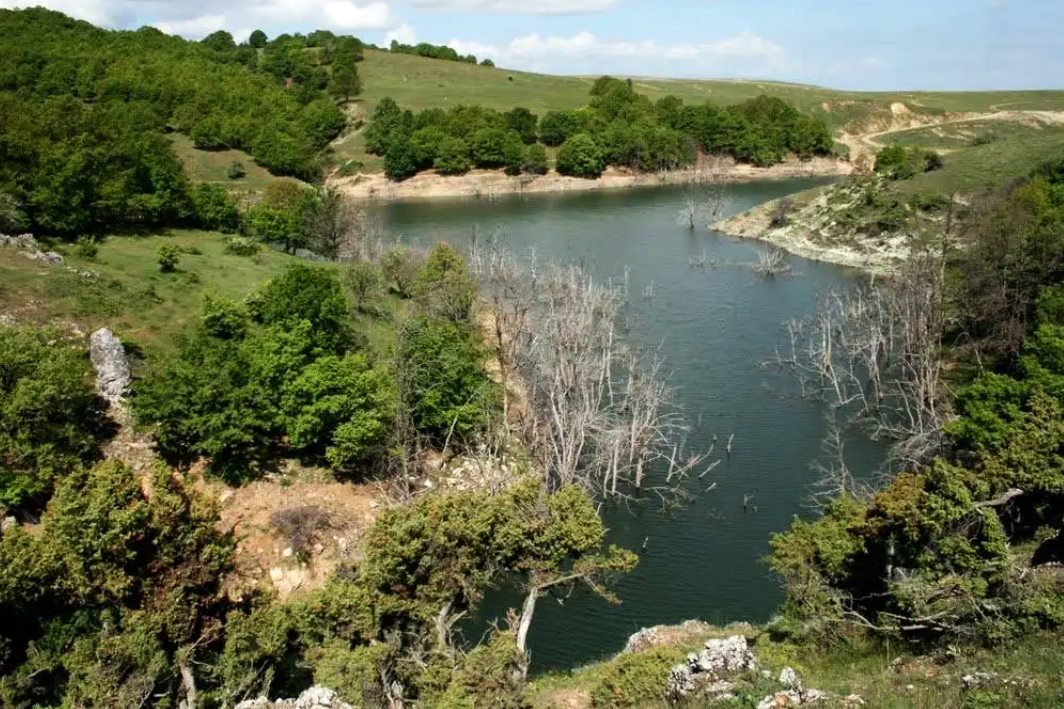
<point x="493" y="183"/>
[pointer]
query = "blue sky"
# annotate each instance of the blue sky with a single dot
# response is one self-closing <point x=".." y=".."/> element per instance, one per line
<point x="851" y="44"/>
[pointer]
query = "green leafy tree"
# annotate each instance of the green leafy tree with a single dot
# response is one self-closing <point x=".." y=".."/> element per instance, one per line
<point x="345" y="82"/>
<point x="453" y="157"/>
<point x="50" y="416"/>
<point x="400" y="162"/>
<point x="524" y="123"/>
<point x="258" y="39"/>
<point x="341" y="403"/>
<point x="535" y="160"/>
<point x="214" y="208"/>
<point x="113" y="592"/>
<point x="441" y="379"/>
<point x="443" y="287"/>
<point x="307" y="293"/>
<point x="365" y="283"/>
<point x="580" y="156"/>
<point x="557" y="126"/>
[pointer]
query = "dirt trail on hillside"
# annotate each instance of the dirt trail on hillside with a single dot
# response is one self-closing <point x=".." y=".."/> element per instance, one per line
<point x="864" y="145"/>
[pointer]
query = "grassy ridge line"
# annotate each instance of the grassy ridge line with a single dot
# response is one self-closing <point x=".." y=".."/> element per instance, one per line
<point x="418" y="83"/>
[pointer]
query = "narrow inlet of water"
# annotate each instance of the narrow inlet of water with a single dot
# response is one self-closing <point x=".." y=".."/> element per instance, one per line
<point x="715" y="326"/>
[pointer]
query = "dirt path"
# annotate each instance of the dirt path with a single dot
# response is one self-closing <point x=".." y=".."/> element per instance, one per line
<point x="864" y="145"/>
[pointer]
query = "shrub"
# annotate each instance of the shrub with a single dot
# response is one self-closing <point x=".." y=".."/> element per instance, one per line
<point x="400" y="162"/>
<point x="635" y="679"/>
<point x="300" y="525"/>
<point x="87" y="247"/>
<point x="442" y="287"/>
<point x="580" y="156"/>
<point x="236" y="170"/>
<point x="241" y="246"/>
<point x="168" y="257"/>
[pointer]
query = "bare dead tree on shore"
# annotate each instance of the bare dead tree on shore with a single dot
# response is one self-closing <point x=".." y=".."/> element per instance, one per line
<point x="771" y="263"/>
<point x="875" y="352"/>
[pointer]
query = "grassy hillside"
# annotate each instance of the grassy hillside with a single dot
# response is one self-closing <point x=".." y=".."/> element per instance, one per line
<point x="418" y="83"/>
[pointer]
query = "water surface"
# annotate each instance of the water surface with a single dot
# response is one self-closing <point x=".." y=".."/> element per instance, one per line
<point x="716" y="326"/>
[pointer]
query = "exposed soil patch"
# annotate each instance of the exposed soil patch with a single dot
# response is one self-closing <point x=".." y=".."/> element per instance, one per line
<point x="266" y="559"/>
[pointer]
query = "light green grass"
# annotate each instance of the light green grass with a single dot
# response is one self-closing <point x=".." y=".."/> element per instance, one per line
<point x="131" y="295"/>
<point x="978" y="167"/>
<point x="213" y="166"/>
<point x="965" y="134"/>
<point x="143" y="305"/>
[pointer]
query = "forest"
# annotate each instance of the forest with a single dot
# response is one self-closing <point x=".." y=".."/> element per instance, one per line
<point x="85" y="113"/>
<point x="619" y="127"/>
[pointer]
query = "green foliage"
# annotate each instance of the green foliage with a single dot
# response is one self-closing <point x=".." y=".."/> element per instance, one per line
<point x="580" y="156"/>
<point x="900" y="163"/>
<point x="431" y="51"/>
<point x="214" y="208"/>
<point x="535" y="160"/>
<point x="86" y="247"/>
<point x="400" y="162"/>
<point x="50" y="420"/>
<point x="247" y="378"/>
<point x="311" y="294"/>
<point x="364" y="282"/>
<point x="628" y="129"/>
<point x="635" y="679"/>
<point x="524" y="123"/>
<point x="113" y="588"/>
<point x="241" y="246"/>
<point x="84" y="112"/>
<point x="441" y="377"/>
<point x="353" y="673"/>
<point x="168" y="257"/>
<point x="453" y="157"/>
<point x="236" y="170"/>
<point x="341" y="403"/>
<point x="443" y="288"/>
<point x="401" y="267"/>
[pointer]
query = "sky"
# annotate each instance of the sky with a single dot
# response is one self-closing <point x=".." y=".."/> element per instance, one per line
<point x="845" y="44"/>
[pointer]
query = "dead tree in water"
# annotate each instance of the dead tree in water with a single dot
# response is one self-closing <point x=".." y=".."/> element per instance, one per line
<point x="705" y="196"/>
<point x="874" y="352"/>
<point x="596" y="413"/>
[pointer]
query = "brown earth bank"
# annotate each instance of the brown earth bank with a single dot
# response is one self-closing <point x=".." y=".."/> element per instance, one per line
<point x="493" y="183"/>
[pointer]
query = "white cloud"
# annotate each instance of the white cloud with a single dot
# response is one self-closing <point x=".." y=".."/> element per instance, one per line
<point x="539" y="7"/>
<point x="196" y="18"/>
<point x="536" y="52"/>
<point x="403" y="34"/>
<point x="193" y="27"/>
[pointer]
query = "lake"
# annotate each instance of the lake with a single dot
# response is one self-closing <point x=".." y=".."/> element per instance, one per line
<point x="716" y="326"/>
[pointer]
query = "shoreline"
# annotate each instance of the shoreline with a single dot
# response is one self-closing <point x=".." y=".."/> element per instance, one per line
<point x="810" y="242"/>
<point x="489" y="184"/>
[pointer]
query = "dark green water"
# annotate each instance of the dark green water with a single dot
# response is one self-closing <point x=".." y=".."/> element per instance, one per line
<point x="715" y="326"/>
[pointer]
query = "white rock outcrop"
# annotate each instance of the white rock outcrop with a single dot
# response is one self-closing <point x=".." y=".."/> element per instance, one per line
<point x="313" y="698"/>
<point x="109" y="359"/>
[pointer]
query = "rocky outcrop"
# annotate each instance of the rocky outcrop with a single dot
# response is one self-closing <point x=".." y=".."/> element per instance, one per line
<point x="109" y="359"/>
<point x="313" y="698"/>
<point x="22" y="241"/>
<point x="793" y="694"/>
<point x="709" y="671"/>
